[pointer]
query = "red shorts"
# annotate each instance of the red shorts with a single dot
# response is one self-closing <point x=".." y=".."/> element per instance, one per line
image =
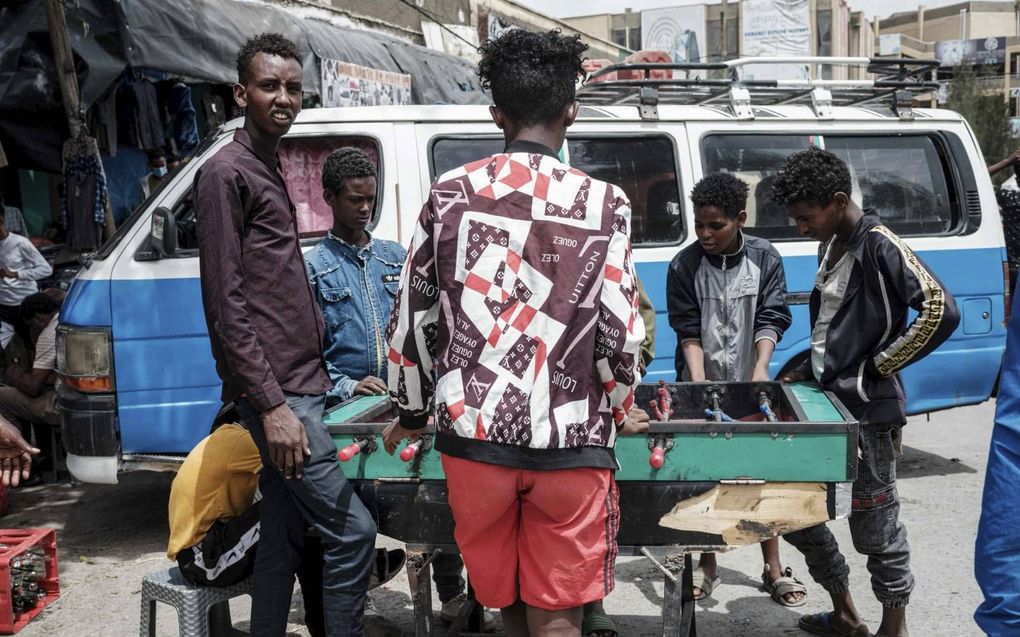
<point x="547" y="538"/>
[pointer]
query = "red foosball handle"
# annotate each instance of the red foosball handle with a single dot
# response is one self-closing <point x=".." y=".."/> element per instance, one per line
<point x="410" y="451"/>
<point x="349" y="452"/>
<point x="658" y="458"/>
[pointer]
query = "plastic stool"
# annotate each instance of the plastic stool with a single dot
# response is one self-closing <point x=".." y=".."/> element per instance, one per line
<point x="202" y="611"/>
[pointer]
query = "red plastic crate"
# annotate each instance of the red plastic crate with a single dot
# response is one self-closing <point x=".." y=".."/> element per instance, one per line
<point x="20" y="541"/>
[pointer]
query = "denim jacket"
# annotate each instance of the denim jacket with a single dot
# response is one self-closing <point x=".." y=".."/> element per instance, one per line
<point x="355" y="288"/>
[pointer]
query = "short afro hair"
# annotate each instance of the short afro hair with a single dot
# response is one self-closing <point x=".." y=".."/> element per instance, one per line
<point x="38" y="303"/>
<point x="812" y="176"/>
<point x="722" y="190"/>
<point x="268" y="43"/>
<point x="532" y="76"/>
<point x="343" y="164"/>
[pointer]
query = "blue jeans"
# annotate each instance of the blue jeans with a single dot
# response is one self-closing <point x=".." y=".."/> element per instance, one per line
<point x="875" y="526"/>
<point x="325" y="500"/>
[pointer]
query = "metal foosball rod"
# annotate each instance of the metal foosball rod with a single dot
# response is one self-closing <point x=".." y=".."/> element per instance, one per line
<point x="765" y="406"/>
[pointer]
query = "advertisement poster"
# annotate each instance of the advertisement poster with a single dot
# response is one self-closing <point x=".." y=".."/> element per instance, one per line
<point x="679" y="31"/>
<point x="775" y="28"/>
<point x="980" y="52"/>
<point x="345" y="84"/>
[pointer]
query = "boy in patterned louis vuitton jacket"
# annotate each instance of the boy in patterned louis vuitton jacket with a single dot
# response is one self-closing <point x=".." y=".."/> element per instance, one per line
<point x="867" y="281"/>
<point x="517" y="326"/>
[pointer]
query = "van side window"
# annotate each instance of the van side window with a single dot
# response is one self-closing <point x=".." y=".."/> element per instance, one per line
<point x="301" y="160"/>
<point x="643" y="166"/>
<point x="903" y="178"/>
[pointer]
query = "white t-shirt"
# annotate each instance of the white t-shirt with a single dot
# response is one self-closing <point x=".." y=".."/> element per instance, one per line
<point x="832" y="283"/>
<point x="46" y="347"/>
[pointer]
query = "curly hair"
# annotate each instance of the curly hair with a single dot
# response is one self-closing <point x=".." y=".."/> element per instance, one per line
<point x="268" y="43"/>
<point x="812" y="176"/>
<point x="343" y="164"/>
<point x="723" y="190"/>
<point x="38" y="303"/>
<point x="532" y="76"/>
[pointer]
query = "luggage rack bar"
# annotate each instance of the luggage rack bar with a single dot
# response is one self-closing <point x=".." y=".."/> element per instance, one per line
<point x="646" y="85"/>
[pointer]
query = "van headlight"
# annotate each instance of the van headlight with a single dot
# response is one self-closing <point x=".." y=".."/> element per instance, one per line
<point x="85" y="358"/>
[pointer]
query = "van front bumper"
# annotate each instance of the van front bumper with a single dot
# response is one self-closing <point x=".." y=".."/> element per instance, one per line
<point x="91" y="434"/>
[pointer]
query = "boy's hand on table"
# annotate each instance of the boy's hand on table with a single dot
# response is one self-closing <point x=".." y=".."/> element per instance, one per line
<point x="760" y="375"/>
<point x="792" y="377"/>
<point x="635" y="423"/>
<point x="371" y="386"/>
<point x="394" y="433"/>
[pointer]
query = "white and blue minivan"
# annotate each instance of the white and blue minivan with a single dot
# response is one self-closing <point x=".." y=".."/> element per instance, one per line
<point x="138" y="387"/>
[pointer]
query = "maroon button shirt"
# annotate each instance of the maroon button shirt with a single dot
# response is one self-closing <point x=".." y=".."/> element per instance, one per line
<point x="264" y="325"/>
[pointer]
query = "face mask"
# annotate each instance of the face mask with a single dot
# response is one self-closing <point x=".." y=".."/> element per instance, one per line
<point x="159" y="171"/>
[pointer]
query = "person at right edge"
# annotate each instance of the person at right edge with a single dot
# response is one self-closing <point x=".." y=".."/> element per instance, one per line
<point x="519" y="298"/>
<point x="867" y="282"/>
<point x="266" y="334"/>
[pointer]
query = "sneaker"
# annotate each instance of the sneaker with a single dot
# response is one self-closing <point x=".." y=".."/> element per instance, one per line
<point x="451" y="608"/>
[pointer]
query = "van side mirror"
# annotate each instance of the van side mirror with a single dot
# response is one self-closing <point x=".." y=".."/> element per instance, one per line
<point x="163" y="234"/>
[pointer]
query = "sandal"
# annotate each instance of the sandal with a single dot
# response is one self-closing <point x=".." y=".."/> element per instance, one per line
<point x="783" y="586"/>
<point x="706" y="585"/>
<point x="821" y="624"/>
<point x="598" y="624"/>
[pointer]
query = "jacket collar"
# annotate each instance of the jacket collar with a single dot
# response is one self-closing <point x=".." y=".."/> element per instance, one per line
<point x="532" y="148"/>
<point x="731" y="259"/>
<point x="350" y="247"/>
<point x="864" y="225"/>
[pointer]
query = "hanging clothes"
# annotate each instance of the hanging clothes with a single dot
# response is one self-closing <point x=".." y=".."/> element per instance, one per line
<point x="103" y="122"/>
<point x="84" y="197"/>
<point x="138" y="113"/>
<point x="183" y="123"/>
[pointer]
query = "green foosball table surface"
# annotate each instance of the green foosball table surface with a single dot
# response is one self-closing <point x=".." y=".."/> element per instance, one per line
<point x="721" y="484"/>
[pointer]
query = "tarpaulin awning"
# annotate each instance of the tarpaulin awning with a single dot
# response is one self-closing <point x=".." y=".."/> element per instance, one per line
<point x="196" y="39"/>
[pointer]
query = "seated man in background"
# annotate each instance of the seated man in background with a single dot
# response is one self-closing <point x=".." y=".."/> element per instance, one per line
<point x="355" y="277"/>
<point x="29" y="395"/>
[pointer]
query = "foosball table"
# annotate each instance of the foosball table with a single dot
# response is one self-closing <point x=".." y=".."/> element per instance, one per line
<point x="723" y="465"/>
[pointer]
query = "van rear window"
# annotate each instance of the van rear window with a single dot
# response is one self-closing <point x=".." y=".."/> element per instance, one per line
<point x="643" y="166"/>
<point x="903" y="178"/>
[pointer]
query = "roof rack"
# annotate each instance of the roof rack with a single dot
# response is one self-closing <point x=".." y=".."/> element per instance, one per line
<point x="647" y="85"/>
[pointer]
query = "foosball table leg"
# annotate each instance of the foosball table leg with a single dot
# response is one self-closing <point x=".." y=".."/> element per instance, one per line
<point x="419" y="578"/>
<point x="678" y="598"/>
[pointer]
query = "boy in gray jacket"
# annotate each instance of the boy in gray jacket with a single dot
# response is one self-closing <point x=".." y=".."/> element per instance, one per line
<point x="726" y="296"/>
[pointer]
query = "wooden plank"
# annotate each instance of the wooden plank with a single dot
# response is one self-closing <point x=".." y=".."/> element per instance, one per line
<point x="746" y="514"/>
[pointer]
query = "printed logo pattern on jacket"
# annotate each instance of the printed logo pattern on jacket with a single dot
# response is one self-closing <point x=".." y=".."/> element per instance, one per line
<point x="519" y="297"/>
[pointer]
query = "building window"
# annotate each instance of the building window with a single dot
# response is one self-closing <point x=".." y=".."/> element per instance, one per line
<point x="620" y="37"/>
<point x="635" y="39"/>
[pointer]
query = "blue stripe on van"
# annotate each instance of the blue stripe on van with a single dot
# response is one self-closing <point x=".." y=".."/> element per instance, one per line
<point x="168" y="391"/>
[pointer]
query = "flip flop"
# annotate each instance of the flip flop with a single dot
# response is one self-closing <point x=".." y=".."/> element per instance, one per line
<point x="821" y="624"/>
<point x="706" y="585"/>
<point x="783" y="586"/>
<point x="597" y="622"/>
